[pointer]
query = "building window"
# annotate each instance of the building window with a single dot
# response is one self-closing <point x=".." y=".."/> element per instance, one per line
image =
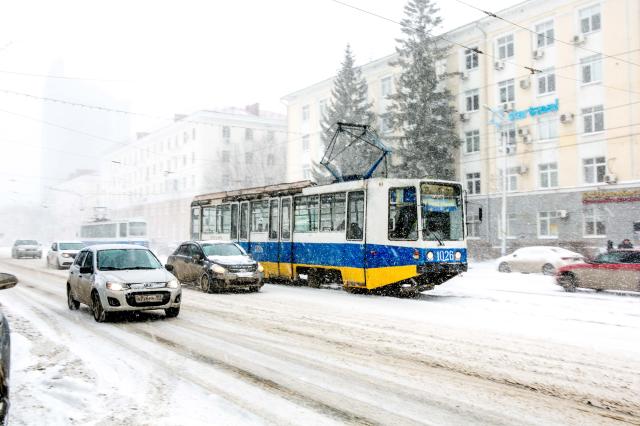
<point x="506" y="91"/>
<point x="544" y="34"/>
<point x="226" y="132"/>
<point x="248" y="134"/>
<point x="591" y="69"/>
<point x="547" y="127"/>
<point x="546" y="82"/>
<point x="593" y="119"/>
<point x="226" y="156"/>
<point x="590" y="19"/>
<point x="548" y="224"/>
<point x="322" y="107"/>
<point x="473" y="226"/>
<point x="385" y="86"/>
<point x="472" y="141"/>
<point x="511" y="225"/>
<point x="472" y="100"/>
<point x="508" y="139"/>
<point x="471" y="58"/>
<point x="248" y="157"/>
<point x="305" y="113"/>
<point x="305" y="143"/>
<point x="473" y="183"/>
<point x="594" y="169"/>
<point x="385" y="123"/>
<point x="548" y="175"/>
<point x="505" y="47"/>
<point x="512" y="179"/>
<point x="593" y="223"/>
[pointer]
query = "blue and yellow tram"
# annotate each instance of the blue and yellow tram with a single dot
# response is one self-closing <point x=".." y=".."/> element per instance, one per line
<point x="367" y="234"/>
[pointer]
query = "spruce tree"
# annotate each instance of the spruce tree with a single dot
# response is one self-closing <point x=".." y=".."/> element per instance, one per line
<point x="348" y="104"/>
<point x="421" y="111"/>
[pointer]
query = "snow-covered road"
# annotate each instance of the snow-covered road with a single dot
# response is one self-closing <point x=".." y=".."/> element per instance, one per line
<point x="485" y="348"/>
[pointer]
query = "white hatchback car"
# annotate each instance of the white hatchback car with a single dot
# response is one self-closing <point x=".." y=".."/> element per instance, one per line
<point x="121" y="277"/>
<point x="62" y="253"/>
<point x="543" y="259"/>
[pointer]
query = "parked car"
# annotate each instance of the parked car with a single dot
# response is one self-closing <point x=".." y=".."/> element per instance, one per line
<point x="6" y="281"/>
<point x="121" y="277"/>
<point x="216" y="265"/>
<point x="26" y="248"/>
<point x="545" y="259"/>
<point x="62" y="253"/>
<point x="615" y="270"/>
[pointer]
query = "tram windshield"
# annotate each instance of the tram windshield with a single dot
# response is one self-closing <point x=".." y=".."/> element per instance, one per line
<point x="441" y="206"/>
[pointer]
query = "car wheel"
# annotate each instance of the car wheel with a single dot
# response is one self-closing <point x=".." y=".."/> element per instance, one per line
<point x="205" y="283"/>
<point x="569" y="282"/>
<point x="99" y="313"/>
<point x="313" y="279"/>
<point x="504" y="267"/>
<point x="254" y="288"/>
<point x="172" y="312"/>
<point x="548" y="269"/>
<point x="71" y="302"/>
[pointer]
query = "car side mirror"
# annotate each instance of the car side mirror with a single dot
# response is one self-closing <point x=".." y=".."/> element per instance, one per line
<point x="86" y="270"/>
<point x="168" y="267"/>
<point x="7" y="280"/>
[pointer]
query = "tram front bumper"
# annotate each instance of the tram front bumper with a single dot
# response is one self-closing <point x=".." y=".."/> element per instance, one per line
<point x="447" y="269"/>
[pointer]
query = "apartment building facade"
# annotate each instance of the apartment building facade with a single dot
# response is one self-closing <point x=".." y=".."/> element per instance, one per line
<point x="566" y="84"/>
<point x="156" y="176"/>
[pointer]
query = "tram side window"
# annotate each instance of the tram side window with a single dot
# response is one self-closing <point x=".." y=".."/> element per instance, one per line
<point x="123" y="229"/>
<point x="332" y="210"/>
<point x="234" y="221"/>
<point x="259" y="216"/>
<point x="244" y="221"/>
<point x="403" y="214"/>
<point x="355" y="215"/>
<point x="208" y="220"/>
<point x="286" y="219"/>
<point x="306" y="214"/>
<point x="273" y="220"/>
<point x="223" y="219"/>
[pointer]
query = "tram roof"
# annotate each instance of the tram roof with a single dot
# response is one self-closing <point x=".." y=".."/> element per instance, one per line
<point x="253" y="193"/>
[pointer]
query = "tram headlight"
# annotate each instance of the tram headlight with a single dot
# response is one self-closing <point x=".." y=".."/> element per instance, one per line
<point x="429" y="256"/>
<point x="458" y="255"/>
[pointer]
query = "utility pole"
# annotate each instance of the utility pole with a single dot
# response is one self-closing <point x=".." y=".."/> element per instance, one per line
<point x="499" y="120"/>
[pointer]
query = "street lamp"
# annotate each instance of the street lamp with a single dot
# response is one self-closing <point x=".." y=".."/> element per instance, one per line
<point x="499" y="120"/>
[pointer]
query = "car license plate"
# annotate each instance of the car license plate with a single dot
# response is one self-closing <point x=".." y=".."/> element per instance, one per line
<point x="143" y="298"/>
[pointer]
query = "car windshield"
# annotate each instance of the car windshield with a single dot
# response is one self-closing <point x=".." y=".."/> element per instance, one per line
<point x="71" y="246"/>
<point x="26" y="243"/>
<point x="121" y="259"/>
<point x="619" y="257"/>
<point x="227" y="249"/>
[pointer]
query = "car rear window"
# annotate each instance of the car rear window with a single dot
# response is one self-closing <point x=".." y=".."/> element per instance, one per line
<point x="26" y="243"/>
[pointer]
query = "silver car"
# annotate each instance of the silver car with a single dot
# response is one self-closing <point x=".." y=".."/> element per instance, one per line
<point x="62" y="253"/>
<point x="113" y="278"/>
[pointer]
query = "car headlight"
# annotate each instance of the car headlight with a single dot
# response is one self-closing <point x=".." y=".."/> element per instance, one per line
<point x="218" y="269"/>
<point x="65" y="255"/>
<point x="458" y="255"/>
<point x="429" y="255"/>
<point x="115" y="286"/>
<point x="260" y="268"/>
<point x="21" y="249"/>
<point x="172" y="284"/>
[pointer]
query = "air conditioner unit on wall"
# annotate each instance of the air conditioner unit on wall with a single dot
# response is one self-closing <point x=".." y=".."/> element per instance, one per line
<point x="525" y="83"/>
<point x="579" y="39"/>
<point x="464" y="116"/>
<point x="522" y="170"/>
<point x="566" y="118"/>
<point x="498" y="65"/>
<point x="464" y="75"/>
<point x="562" y="214"/>
<point x="538" y="54"/>
<point x="523" y="131"/>
<point x="610" y="178"/>
<point x="508" y="106"/>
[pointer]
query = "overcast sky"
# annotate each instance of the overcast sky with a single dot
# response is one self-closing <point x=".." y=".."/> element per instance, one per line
<point x="165" y="57"/>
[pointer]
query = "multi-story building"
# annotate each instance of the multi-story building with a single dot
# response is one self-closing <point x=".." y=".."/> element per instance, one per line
<point x="570" y="137"/>
<point x="157" y="175"/>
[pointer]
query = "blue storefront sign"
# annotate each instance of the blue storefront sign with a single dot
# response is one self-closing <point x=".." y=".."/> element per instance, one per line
<point x="533" y="111"/>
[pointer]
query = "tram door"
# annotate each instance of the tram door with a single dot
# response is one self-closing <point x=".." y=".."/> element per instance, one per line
<point x="234" y="222"/>
<point x="244" y="225"/>
<point x="285" y="246"/>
